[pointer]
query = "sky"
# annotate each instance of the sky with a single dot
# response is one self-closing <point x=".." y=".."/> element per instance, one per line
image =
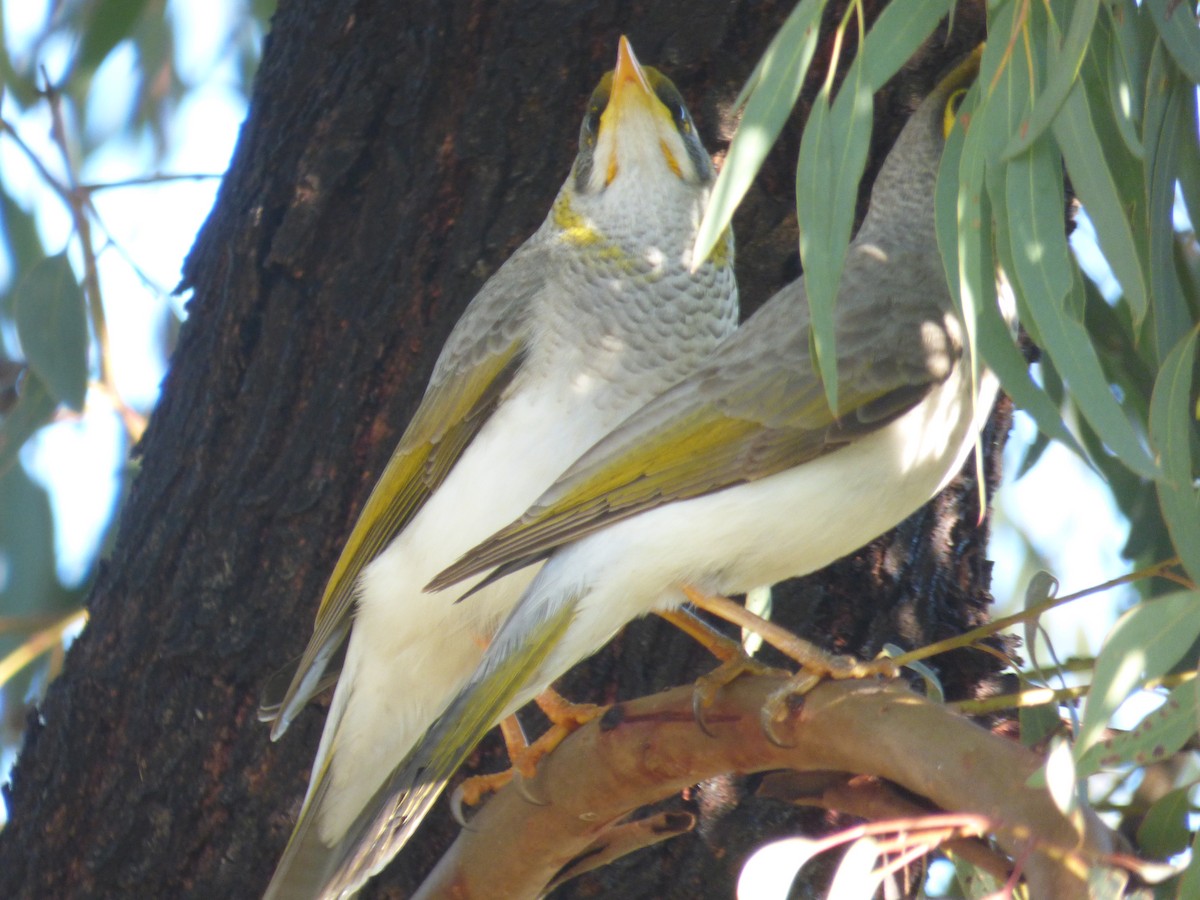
<point x="152" y="226"/>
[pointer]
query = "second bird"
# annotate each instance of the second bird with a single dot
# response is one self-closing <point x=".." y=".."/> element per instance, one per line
<point x="596" y="313"/>
<point x="741" y="475"/>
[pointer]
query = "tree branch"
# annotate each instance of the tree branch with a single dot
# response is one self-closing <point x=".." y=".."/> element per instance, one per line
<point x="646" y="750"/>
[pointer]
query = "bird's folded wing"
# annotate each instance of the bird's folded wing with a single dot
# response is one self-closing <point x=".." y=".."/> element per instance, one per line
<point x="757" y="409"/>
<point x="477" y="366"/>
<point x="401" y="803"/>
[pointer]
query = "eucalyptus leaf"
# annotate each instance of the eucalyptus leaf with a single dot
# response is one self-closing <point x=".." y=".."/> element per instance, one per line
<point x="1166" y="129"/>
<point x="1164" y="830"/>
<point x="52" y="325"/>
<point x="1158" y="736"/>
<point x="992" y="334"/>
<point x="109" y="23"/>
<point x="1064" y="71"/>
<point x="769" y="96"/>
<point x="1189" y="163"/>
<point x="1176" y="22"/>
<point x="1146" y="642"/>
<point x="1189" y="884"/>
<point x="1047" y="276"/>
<point x="1173" y="420"/>
<point x="1125" y="80"/>
<point x="1083" y="150"/>
<point x="34" y="408"/>
<point x="833" y="153"/>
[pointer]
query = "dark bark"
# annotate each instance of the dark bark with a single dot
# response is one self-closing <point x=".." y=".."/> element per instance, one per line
<point x="394" y="155"/>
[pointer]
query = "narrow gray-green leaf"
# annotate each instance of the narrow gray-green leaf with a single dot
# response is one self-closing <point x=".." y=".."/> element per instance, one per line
<point x="1189" y="163"/>
<point x="1083" y="151"/>
<point x="899" y="31"/>
<point x="1048" y="278"/>
<point x="1159" y="735"/>
<point x="992" y="334"/>
<point x="1145" y="643"/>
<point x="1189" y="884"/>
<point x="1134" y="36"/>
<point x="52" y="327"/>
<point x="1125" y="82"/>
<point x="1176" y="22"/>
<point x="1173" y="421"/>
<point x="33" y="410"/>
<point x="109" y="23"/>
<point x="1165" y="131"/>
<point x="1164" y="831"/>
<point x="833" y="153"/>
<point x="770" y="93"/>
<point x="1065" y="61"/>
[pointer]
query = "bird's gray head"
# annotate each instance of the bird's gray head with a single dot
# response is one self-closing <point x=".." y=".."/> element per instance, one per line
<point x="636" y="126"/>
<point x="908" y="178"/>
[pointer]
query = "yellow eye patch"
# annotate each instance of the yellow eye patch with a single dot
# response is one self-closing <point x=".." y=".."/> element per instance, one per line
<point x="952" y="106"/>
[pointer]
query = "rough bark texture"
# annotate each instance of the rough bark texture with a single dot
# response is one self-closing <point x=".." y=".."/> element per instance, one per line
<point x="394" y="155"/>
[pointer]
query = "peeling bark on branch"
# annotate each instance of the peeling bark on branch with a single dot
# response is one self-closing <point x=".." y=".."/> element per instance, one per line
<point x="643" y="751"/>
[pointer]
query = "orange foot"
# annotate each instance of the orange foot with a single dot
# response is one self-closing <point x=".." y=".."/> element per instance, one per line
<point x="565" y="718"/>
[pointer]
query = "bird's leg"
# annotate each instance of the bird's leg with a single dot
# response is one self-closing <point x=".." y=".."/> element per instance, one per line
<point x="735" y="661"/>
<point x="808" y="655"/>
<point x="815" y="663"/>
<point x="565" y="718"/>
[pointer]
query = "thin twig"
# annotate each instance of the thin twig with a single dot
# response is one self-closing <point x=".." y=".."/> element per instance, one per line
<point x="144" y="181"/>
<point x="976" y="634"/>
<point x="37" y="644"/>
<point x="77" y="201"/>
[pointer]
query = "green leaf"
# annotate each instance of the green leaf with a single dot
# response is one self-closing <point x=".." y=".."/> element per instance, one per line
<point x="1125" y="79"/>
<point x="1159" y="735"/>
<point x="1145" y="643"/>
<point x="897" y="34"/>
<point x="1164" y="830"/>
<point x="1189" y="884"/>
<point x="991" y="332"/>
<point x="1176" y="22"/>
<point x="19" y="229"/>
<point x="33" y="410"/>
<point x="1166" y="129"/>
<point x="1048" y="280"/>
<point x="1172" y="425"/>
<point x="1083" y="150"/>
<point x="1064" y="71"/>
<point x="833" y="154"/>
<point x="1189" y="164"/>
<point x="1038" y="723"/>
<point x="52" y="327"/>
<point x="974" y="882"/>
<point x="769" y="95"/>
<point x="110" y="22"/>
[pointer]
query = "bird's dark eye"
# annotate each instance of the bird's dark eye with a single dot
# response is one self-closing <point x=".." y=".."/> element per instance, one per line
<point x="591" y="122"/>
<point x="679" y="114"/>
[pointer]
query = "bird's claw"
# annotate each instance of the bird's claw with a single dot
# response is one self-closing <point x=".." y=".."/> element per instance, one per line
<point x="782" y="703"/>
<point x="706" y="688"/>
<point x="524" y="787"/>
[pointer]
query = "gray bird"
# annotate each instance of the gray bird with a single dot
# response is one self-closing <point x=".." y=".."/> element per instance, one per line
<point x="741" y="475"/>
<point x="596" y="313"/>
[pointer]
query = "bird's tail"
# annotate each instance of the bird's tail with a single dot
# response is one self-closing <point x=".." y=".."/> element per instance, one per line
<point x="312" y="868"/>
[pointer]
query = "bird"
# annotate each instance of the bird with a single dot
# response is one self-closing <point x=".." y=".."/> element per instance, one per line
<point x="741" y="474"/>
<point x="602" y="308"/>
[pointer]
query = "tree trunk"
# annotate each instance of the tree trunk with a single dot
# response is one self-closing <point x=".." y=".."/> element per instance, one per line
<point x="394" y="155"/>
